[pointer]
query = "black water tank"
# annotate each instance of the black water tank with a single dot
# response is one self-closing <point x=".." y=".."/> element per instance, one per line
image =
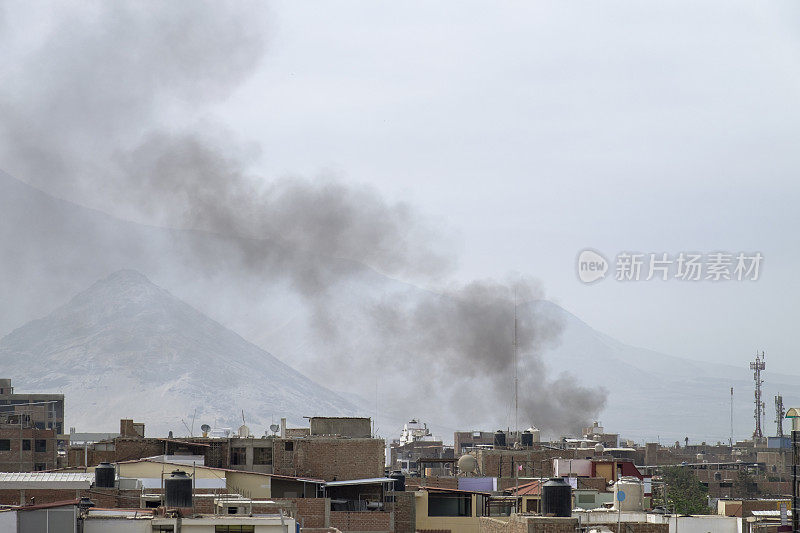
<point x="399" y="481"/>
<point x="499" y="439"/>
<point x="178" y="489"/>
<point x="527" y="439"/>
<point x="557" y="498"/>
<point x="104" y="476"/>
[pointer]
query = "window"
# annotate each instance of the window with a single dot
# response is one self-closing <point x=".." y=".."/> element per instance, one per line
<point x="40" y="445"/>
<point x="288" y="446"/>
<point x="234" y="529"/>
<point x="38" y="467"/>
<point x="5" y="445"/>
<point x="449" y="505"/>
<point x="26" y="445"/>
<point x="238" y="456"/>
<point x="262" y="456"/>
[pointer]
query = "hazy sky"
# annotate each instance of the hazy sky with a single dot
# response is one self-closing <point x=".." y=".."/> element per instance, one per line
<point x="529" y="131"/>
<point x="532" y="130"/>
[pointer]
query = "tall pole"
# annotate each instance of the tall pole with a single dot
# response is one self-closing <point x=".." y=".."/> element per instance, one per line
<point x="516" y="379"/>
<point x="516" y="390"/>
<point x="731" y="438"/>
<point x="757" y="366"/>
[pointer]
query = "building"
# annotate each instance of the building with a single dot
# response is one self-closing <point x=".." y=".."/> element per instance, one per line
<point x="441" y="509"/>
<point x="81" y="515"/>
<point x="24" y="447"/>
<point x="42" y="411"/>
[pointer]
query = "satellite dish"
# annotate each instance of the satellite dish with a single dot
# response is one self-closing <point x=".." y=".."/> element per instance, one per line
<point x="205" y="428"/>
<point x="274" y="428"/>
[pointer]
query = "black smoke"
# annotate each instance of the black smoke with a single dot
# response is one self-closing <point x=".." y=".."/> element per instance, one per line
<point x="110" y="105"/>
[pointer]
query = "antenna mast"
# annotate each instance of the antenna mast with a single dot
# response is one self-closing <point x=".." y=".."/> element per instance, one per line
<point x="780" y="412"/>
<point x="757" y="366"/>
<point x="516" y="378"/>
<point x="731" y="439"/>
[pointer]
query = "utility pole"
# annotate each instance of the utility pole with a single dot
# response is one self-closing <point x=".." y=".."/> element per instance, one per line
<point x="757" y="366"/>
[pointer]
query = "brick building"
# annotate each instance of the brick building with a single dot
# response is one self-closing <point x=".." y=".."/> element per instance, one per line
<point x="24" y="448"/>
<point x="328" y="458"/>
<point x="43" y="411"/>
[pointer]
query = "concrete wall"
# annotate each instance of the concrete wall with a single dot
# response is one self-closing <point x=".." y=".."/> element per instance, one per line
<point x="115" y="525"/>
<point x="360" y="428"/>
<point x="465" y="524"/>
<point x="254" y="485"/>
<point x="8" y="521"/>
<point x="698" y="523"/>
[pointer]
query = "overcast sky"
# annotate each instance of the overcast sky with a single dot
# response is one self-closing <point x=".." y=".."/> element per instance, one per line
<point x="532" y="130"/>
<point x="529" y="131"/>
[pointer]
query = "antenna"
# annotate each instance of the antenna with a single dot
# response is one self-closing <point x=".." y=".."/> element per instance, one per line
<point x="731" y="439"/>
<point x="757" y="366"/>
<point x="516" y="378"/>
<point x="243" y="422"/>
<point x="194" y="415"/>
<point x="187" y="427"/>
<point x="780" y="412"/>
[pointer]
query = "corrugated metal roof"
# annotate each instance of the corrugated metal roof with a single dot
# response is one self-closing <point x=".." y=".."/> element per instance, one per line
<point x="40" y="480"/>
<point x="770" y="513"/>
<point x="45" y="476"/>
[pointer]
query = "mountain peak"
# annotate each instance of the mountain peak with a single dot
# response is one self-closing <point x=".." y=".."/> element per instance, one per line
<point x="127" y="275"/>
<point x="128" y="339"/>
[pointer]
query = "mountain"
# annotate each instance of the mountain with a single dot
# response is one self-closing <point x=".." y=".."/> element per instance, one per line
<point x="53" y="249"/>
<point x="126" y="348"/>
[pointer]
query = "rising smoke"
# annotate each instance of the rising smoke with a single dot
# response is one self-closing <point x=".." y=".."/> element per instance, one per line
<point x="112" y="107"/>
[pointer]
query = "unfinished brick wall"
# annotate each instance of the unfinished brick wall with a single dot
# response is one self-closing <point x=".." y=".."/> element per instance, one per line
<point x="413" y="483"/>
<point x="534" y="462"/>
<point x="496" y="525"/>
<point x="528" y="524"/>
<point x="597" y="483"/>
<point x="311" y="512"/>
<point x="352" y="521"/>
<point x="329" y="459"/>
<point x="405" y="512"/>
<point x="108" y="498"/>
<point x="636" y="527"/>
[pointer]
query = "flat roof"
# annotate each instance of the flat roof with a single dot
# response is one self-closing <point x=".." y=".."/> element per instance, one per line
<point x="184" y="466"/>
<point x="366" y="481"/>
<point x="454" y="491"/>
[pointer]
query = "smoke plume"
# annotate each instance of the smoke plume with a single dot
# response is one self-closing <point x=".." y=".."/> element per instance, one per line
<point x="111" y="106"/>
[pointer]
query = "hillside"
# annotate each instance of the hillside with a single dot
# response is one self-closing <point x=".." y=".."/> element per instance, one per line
<point x="127" y="348"/>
